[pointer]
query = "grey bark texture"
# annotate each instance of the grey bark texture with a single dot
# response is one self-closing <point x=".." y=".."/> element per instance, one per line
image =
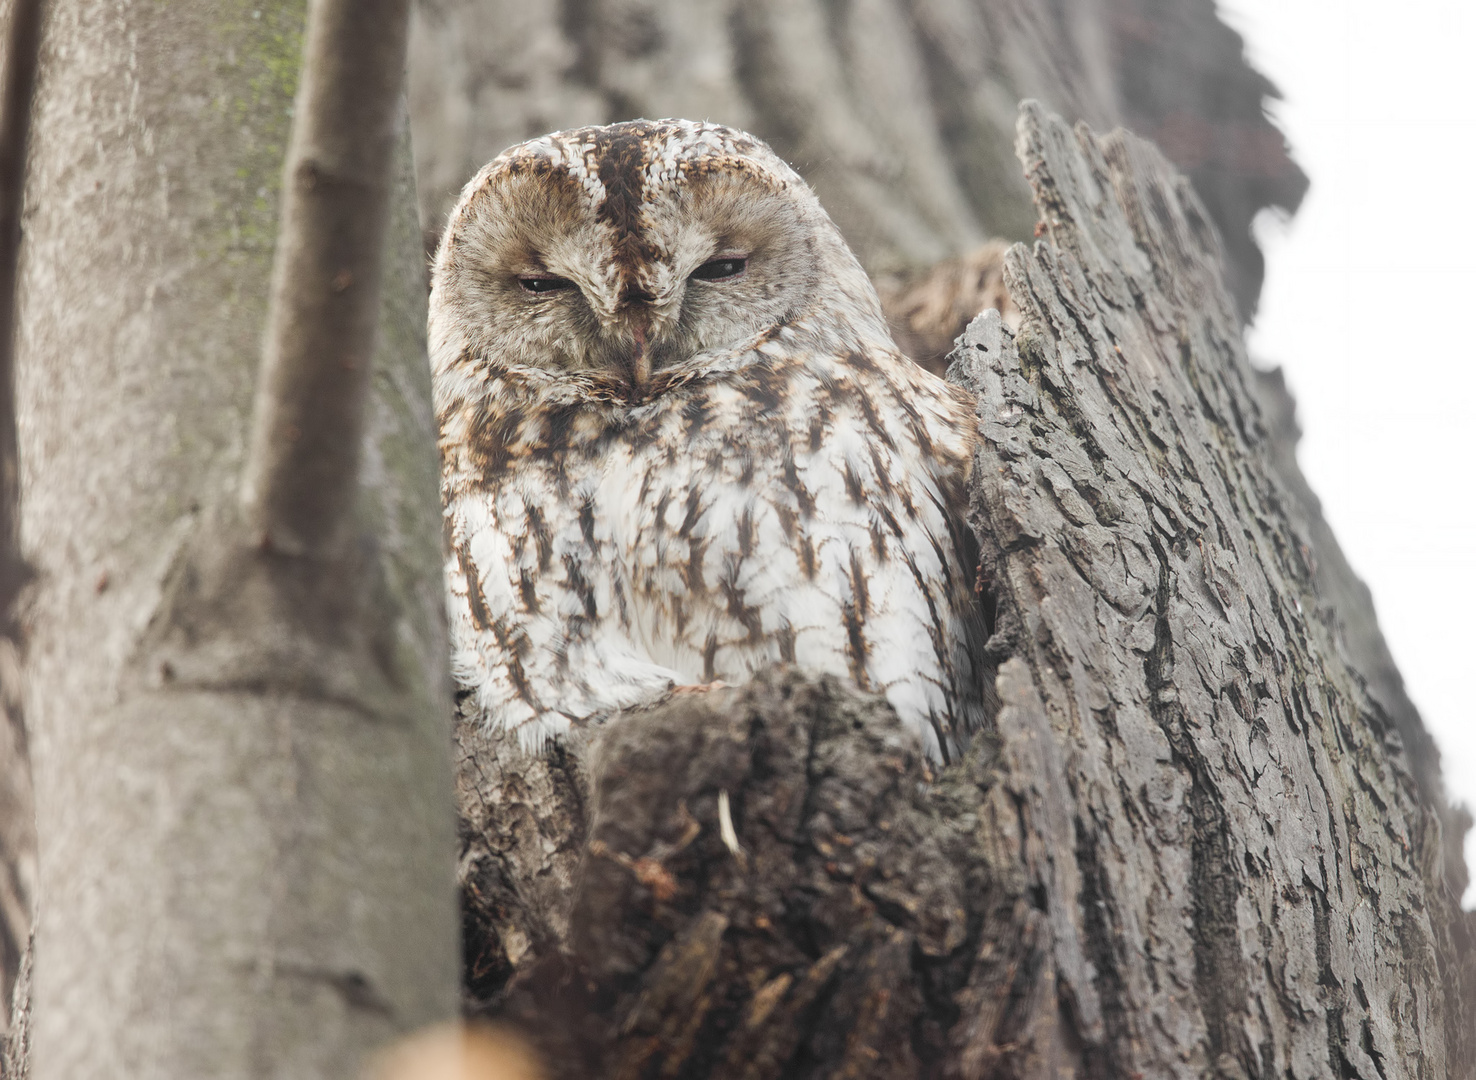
<point x="246" y="840"/>
<point x="1355" y="627"/>
<point x="900" y="113"/>
<point x="1191" y="845"/>
<point x="1224" y="759"/>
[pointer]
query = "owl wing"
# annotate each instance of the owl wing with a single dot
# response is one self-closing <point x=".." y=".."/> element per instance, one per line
<point x="535" y="605"/>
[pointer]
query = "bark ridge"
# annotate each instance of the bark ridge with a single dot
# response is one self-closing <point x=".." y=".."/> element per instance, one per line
<point x="1240" y="872"/>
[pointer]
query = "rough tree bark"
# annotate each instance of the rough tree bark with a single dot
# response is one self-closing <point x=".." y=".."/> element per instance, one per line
<point x="1355" y="626"/>
<point x="1191" y="845"/>
<point x="1203" y="711"/>
<point x="900" y="113"/>
<point x="241" y="772"/>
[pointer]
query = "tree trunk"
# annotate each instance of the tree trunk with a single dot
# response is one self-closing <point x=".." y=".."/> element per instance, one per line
<point x="22" y="33"/>
<point x="1242" y="815"/>
<point x="1191" y="845"/>
<point x="244" y="831"/>
<point x="899" y="113"/>
<point x="1355" y="626"/>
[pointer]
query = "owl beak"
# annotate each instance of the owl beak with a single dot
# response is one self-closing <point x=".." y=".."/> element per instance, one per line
<point x="637" y="306"/>
<point x="640" y="360"/>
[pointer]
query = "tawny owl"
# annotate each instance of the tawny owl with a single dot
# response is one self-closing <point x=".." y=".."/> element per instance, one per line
<point x="679" y="444"/>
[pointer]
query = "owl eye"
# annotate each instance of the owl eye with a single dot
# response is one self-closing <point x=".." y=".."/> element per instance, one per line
<point x="725" y="269"/>
<point x="542" y="284"/>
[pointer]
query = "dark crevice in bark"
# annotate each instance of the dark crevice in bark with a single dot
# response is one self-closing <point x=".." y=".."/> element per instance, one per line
<point x="979" y="159"/>
<point x="15" y="1053"/>
<point x="1220" y="987"/>
<point x="577" y="20"/>
<point x="1103" y="939"/>
<point x="756" y="69"/>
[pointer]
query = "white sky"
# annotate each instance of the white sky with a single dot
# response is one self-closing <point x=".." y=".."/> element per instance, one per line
<point x="1370" y="292"/>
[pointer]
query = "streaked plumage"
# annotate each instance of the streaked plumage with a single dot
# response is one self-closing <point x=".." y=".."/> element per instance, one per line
<point x="654" y="479"/>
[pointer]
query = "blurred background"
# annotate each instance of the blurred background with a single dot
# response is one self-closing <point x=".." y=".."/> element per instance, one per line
<point x="901" y="114"/>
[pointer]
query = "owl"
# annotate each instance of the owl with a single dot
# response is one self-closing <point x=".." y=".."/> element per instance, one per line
<point x="679" y="444"/>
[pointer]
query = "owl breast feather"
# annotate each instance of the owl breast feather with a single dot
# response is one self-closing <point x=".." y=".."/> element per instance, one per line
<point x="783" y="512"/>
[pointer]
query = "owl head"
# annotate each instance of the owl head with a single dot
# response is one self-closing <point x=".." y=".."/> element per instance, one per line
<point x="612" y="256"/>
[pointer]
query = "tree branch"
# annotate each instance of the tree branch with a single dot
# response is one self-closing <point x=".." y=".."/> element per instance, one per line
<point x="22" y="43"/>
<point x="17" y="808"/>
<point x="302" y="468"/>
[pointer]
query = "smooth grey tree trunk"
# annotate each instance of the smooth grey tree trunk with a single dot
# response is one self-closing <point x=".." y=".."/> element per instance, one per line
<point x="246" y="865"/>
<point x="1191" y="845"/>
